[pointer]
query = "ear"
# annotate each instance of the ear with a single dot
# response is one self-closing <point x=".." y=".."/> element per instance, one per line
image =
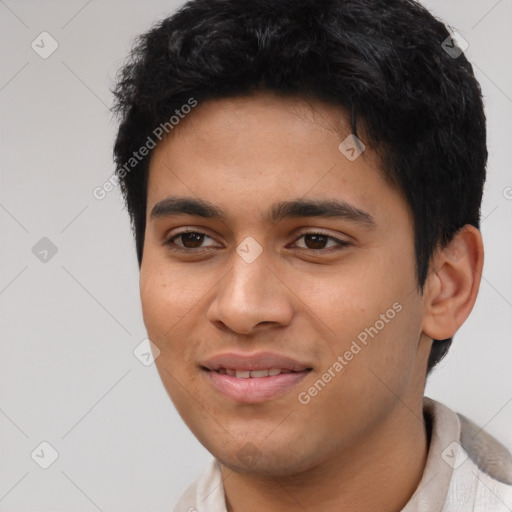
<point x="452" y="284"/>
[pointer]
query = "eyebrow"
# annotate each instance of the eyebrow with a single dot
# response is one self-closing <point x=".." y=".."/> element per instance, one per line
<point x="332" y="209"/>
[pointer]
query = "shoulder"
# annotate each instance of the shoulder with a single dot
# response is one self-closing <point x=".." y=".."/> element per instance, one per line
<point x="484" y="479"/>
<point x="481" y="479"/>
<point x="206" y="494"/>
<point x="487" y="453"/>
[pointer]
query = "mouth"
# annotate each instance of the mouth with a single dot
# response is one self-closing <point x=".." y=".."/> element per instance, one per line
<point x="254" y="374"/>
<point x="254" y="379"/>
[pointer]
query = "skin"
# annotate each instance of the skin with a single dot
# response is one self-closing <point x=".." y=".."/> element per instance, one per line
<point x="361" y="440"/>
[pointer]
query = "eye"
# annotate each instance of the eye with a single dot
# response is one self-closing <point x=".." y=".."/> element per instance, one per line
<point x="190" y="240"/>
<point x="316" y="241"/>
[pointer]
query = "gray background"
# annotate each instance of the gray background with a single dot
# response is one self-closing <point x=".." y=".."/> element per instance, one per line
<point x="69" y="325"/>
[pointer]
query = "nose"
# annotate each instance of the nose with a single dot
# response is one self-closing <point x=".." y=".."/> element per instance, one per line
<point x="249" y="296"/>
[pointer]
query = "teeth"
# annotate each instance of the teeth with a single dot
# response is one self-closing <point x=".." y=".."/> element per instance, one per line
<point x="246" y="374"/>
<point x="259" y="373"/>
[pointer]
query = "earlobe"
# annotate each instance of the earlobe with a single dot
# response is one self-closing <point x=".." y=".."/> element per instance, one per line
<point x="452" y="284"/>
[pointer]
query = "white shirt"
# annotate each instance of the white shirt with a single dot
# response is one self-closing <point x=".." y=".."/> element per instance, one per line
<point x="467" y="470"/>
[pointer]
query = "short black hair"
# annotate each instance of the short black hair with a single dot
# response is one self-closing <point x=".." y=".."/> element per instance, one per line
<point x="385" y="62"/>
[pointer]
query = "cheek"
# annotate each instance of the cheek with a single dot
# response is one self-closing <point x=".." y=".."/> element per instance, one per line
<point x="172" y="300"/>
<point x="157" y="303"/>
<point x="348" y="300"/>
<point x="167" y="318"/>
<point x="165" y="301"/>
<point x="371" y="304"/>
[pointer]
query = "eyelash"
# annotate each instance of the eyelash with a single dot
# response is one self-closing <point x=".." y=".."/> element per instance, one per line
<point x="341" y="243"/>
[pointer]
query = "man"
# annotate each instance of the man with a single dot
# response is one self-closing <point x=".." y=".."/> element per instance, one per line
<point x="304" y="180"/>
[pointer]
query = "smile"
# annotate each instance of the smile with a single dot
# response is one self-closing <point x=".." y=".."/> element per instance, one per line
<point x="253" y="378"/>
<point x="254" y="386"/>
<point x="254" y="374"/>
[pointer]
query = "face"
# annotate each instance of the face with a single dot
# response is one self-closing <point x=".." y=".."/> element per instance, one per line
<point x="278" y="282"/>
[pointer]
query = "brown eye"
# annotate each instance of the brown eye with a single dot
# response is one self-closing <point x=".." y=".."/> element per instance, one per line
<point x="317" y="242"/>
<point x="188" y="240"/>
<point x="191" y="240"/>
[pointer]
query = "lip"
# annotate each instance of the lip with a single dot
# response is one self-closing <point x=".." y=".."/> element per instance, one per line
<point x="254" y="389"/>
<point x="258" y="361"/>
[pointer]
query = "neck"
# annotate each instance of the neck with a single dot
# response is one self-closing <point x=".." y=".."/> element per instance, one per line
<point x="379" y="472"/>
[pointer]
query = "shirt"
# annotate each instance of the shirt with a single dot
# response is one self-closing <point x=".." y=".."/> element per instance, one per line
<point x="467" y="470"/>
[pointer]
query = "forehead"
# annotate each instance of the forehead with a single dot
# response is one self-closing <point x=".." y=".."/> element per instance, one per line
<point x="250" y="153"/>
<point x="260" y="107"/>
<point x="257" y="124"/>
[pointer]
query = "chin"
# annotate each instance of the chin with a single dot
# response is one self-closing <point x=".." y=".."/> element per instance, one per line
<point x="265" y="461"/>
